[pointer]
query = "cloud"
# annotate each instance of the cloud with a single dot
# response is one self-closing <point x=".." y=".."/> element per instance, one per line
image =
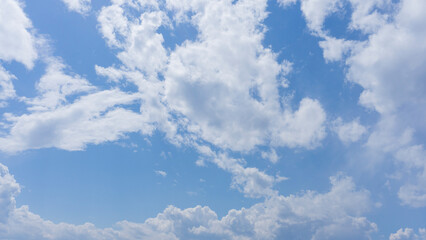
<point x="222" y="88"/>
<point x="349" y="132"/>
<point x="334" y="49"/>
<point x="309" y="215"/>
<point x="94" y="118"/>
<point x="55" y="86"/>
<point x="413" y="159"/>
<point x="16" y="39"/>
<point x="394" y="91"/>
<point x="213" y="83"/>
<point x="408" y="234"/>
<point x="367" y="16"/>
<point x="388" y="65"/>
<point x="80" y="6"/>
<point x="302" y="128"/>
<point x="271" y="156"/>
<point x="161" y="173"/>
<point x="7" y="91"/>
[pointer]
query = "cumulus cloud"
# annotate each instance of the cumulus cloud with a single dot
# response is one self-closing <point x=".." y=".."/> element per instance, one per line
<point x="413" y="158"/>
<point x="161" y="173"/>
<point x="348" y="132"/>
<point x="329" y="215"/>
<point x="211" y="84"/>
<point x="334" y="49"/>
<point x="222" y="88"/>
<point x="93" y="118"/>
<point x="7" y="89"/>
<point x="55" y="86"/>
<point x="408" y="234"/>
<point x="271" y="156"/>
<point x="16" y="39"/>
<point x="80" y="6"/>
<point x="388" y="65"/>
<point x="396" y="92"/>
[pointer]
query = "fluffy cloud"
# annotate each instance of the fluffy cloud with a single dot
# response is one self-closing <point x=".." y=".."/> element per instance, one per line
<point x="226" y="76"/>
<point x="211" y="84"/>
<point x="55" y="86"/>
<point x="161" y="173"/>
<point x="334" y="49"/>
<point x="309" y="215"/>
<point x="408" y="234"/>
<point x="349" y="132"/>
<point x="222" y="88"/>
<point x="7" y="90"/>
<point x="16" y="39"/>
<point x="271" y="156"/>
<point x="367" y="16"/>
<point x="396" y="92"/>
<point x="413" y="159"/>
<point x="80" y="6"/>
<point x="389" y="66"/>
<point x="94" y="118"/>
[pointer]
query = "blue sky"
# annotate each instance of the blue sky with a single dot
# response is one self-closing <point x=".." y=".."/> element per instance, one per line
<point x="198" y="119"/>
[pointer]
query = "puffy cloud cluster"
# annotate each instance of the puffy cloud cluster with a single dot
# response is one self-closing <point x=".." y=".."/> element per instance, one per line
<point x="223" y="86"/>
<point x="349" y="132"/>
<point x="408" y="234"/>
<point x="80" y="6"/>
<point x="389" y="66"/>
<point x="7" y="91"/>
<point x="94" y="118"/>
<point x="17" y="41"/>
<point x="309" y="215"/>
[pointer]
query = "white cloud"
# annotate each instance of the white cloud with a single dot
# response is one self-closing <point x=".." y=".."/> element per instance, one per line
<point x="161" y="173"/>
<point x="222" y="87"/>
<point x="349" y="132"/>
<point x="285" y="3"/>
<point x="80" y="6"/>
<point x="316" y="11"/>
<point x="55" y="86"/>
<point x="334" y="49"/>
<point x="389" y="66"/>
<point x="16" y="39"/>
<point x="309" y="215"/>
<point x="302" y="128"/>
<point x="144" y="50"/>
<point x="413" y="158"/>
<point x="7" y="91"/>
<point x="271" y="156"/>
<point x="390" y="69"/>
<point x="408" y="234"/>
<point x="94" y="118"/>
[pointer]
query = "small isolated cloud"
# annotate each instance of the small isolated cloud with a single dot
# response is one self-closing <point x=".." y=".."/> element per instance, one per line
<point x="80" y="6"/>
<point x="161" y="173"/>
<point x="349" y="132"/>
<point x="271" y="156"/>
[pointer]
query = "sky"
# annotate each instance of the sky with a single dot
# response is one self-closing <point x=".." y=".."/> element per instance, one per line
<point x="224" y="119"/>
